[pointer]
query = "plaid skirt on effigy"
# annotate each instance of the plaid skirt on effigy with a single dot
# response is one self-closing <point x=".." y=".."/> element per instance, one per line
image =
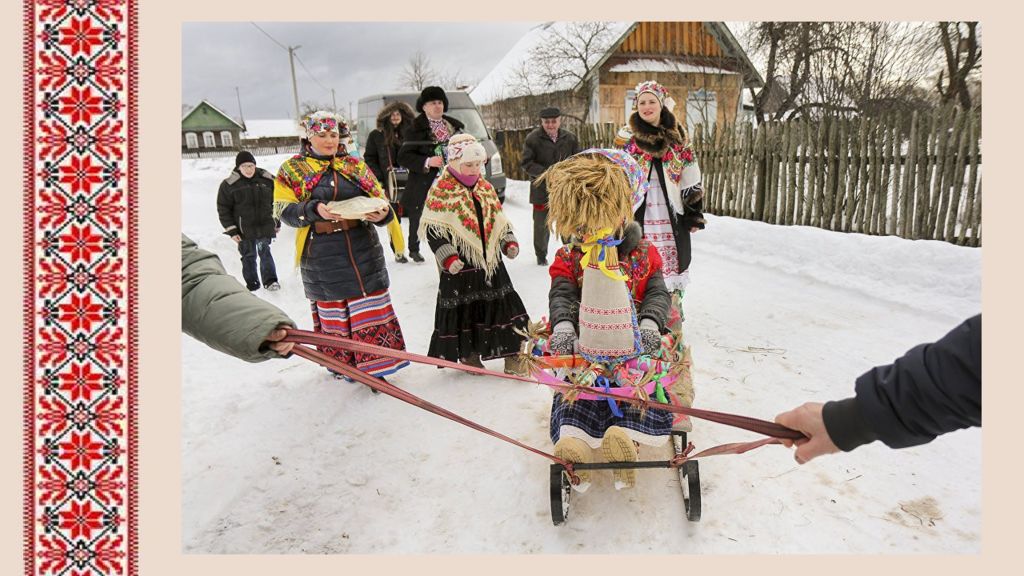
<point x="588" y="420"/>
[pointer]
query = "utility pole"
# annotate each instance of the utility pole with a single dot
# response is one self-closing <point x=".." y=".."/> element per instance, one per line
<point x="349" y="110"/>
<point x="240" y="115"/>
<point x="334" y="101"/>
<point x="295" y="86"/>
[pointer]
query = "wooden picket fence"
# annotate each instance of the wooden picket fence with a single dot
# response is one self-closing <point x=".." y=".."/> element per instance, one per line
<point x="292" y="148"/>
<point x="919" y="179"/>
<point x="916" y="177"/>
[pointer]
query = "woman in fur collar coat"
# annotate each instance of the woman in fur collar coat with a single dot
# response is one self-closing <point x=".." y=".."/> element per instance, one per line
<point x="672" y="208"/>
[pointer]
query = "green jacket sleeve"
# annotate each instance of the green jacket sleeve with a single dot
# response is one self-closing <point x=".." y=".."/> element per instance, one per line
<point x="218" y="311"/>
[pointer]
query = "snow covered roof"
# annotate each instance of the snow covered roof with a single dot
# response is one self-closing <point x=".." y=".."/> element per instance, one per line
<point x="271" y="128"/>
<point x="215" y="109"/>
<point x="497" y="84"/>
<point x="500" y="82"/>
<point x="665" y="65"/>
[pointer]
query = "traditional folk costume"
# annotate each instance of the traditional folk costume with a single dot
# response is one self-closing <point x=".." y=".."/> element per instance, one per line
<point x="673" y="204"/>
<point x="478" y="310"/>
<point x="343" y="269"/>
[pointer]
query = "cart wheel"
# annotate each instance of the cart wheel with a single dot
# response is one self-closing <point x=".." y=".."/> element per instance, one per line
<point x="561" y="489"/>
<point x="690" y="475"/>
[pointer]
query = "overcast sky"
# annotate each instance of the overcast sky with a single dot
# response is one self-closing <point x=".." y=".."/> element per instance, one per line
<point x="356" y="59"/>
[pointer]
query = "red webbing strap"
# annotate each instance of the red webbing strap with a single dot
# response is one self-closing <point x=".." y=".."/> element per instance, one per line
<point x="396" y="392"/>
<point x="763" y="427"/>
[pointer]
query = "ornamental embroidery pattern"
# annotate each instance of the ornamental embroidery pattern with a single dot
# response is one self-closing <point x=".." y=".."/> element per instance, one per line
<point x="80" y="300"/>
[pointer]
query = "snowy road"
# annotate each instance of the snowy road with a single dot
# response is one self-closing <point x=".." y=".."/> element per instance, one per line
<point x="280" y="458"/>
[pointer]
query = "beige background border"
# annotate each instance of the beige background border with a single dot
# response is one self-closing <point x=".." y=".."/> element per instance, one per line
<point x="160" y="528"/>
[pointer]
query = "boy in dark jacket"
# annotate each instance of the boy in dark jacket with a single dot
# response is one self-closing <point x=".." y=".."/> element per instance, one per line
<point x="245" y="205"/>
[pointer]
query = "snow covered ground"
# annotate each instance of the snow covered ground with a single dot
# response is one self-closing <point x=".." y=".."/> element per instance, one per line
<point x="279" y="457"/>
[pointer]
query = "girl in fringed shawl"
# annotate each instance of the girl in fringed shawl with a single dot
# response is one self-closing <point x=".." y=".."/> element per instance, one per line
<point x="341" y="260"/>
<point x="608" y="302"/>
<point x="672" y="208"/>
<point x="478" y="310"/>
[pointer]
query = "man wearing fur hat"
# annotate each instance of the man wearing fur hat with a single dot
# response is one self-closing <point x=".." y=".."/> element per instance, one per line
<point x="544" y="147"/>
<point x="422" y="154"/>
<point x="245" y="205"/>
<point x="672" y="208"/>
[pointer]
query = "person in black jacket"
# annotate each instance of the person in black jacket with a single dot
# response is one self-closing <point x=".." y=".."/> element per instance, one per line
<point x="543" y="147"/>
<point x="423" y="154"/>
<point x="381" y="155"/>
<point x="931" y="390"/>
<point x="245" y="205"/>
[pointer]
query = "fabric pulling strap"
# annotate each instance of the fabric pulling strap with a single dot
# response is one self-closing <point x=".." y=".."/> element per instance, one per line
<point x="763" y="427"/>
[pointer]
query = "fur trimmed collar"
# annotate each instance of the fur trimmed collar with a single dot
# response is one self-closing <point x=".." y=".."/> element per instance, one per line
<point x="657" y="140"/>
<point x="384" y="116"/>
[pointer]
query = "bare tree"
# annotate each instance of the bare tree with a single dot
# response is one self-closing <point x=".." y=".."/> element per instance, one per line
<point x="453" y="80"/>
<point x="310" y="106"/>
<point x="566" y="58"/>
<point x="828" y="68"/>
<point x="963" y="56"/>
<point x="418" y="72"/>
<point x="789" y="49"/>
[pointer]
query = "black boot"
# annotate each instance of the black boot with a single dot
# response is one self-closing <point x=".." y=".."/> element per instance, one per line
<point x="415" y="256"/>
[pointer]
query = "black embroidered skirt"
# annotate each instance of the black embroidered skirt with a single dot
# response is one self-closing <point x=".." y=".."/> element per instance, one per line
<point x="474" y="315"/>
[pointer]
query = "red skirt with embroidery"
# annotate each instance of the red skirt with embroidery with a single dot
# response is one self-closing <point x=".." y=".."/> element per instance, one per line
<point x="371" y="320"/>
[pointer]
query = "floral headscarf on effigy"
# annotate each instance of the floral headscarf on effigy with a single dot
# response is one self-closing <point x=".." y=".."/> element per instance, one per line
<point x="591" y="196"/>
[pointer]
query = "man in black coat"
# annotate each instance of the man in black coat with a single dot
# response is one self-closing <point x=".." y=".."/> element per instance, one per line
<point x="933" y="389"/>
<point x="245" y="205"/>
<point x="422" y="154"/>
<point x="543" y="147"/>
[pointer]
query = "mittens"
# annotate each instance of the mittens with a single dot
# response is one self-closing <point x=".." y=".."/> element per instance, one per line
<point x="563" y="338"/>
<point x="650" y="337"/>
<point x="456" y="266"/>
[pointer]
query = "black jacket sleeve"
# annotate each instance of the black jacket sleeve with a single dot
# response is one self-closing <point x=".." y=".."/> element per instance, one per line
<point x="564" y="302"/>
<point x="657" y="301"/>
<point x="529" y="162"/>
<point x="301" y="214"/>
<point x="412" y="155"/>
<point x="933" y="389"/>
<point x="372" y="154"/>
<point x="226" y="208"/>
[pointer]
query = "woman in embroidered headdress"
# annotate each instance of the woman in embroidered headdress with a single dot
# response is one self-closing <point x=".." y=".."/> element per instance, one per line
<point x="608" y="302"/>
<point x="335" y="201"/>
<point x="672" y="208"/>
<point x="478" y="309"/>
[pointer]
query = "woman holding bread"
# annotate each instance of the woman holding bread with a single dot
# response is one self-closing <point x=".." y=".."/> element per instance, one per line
<point x="335" y="201"/>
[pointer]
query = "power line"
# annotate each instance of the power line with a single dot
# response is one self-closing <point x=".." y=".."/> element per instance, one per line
<point x="310" y="74"/>
<point x="283" y="47"/>
<point x="296" y="56"/>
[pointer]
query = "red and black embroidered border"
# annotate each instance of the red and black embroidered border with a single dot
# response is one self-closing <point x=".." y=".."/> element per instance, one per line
<point x="80" y="301"/>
